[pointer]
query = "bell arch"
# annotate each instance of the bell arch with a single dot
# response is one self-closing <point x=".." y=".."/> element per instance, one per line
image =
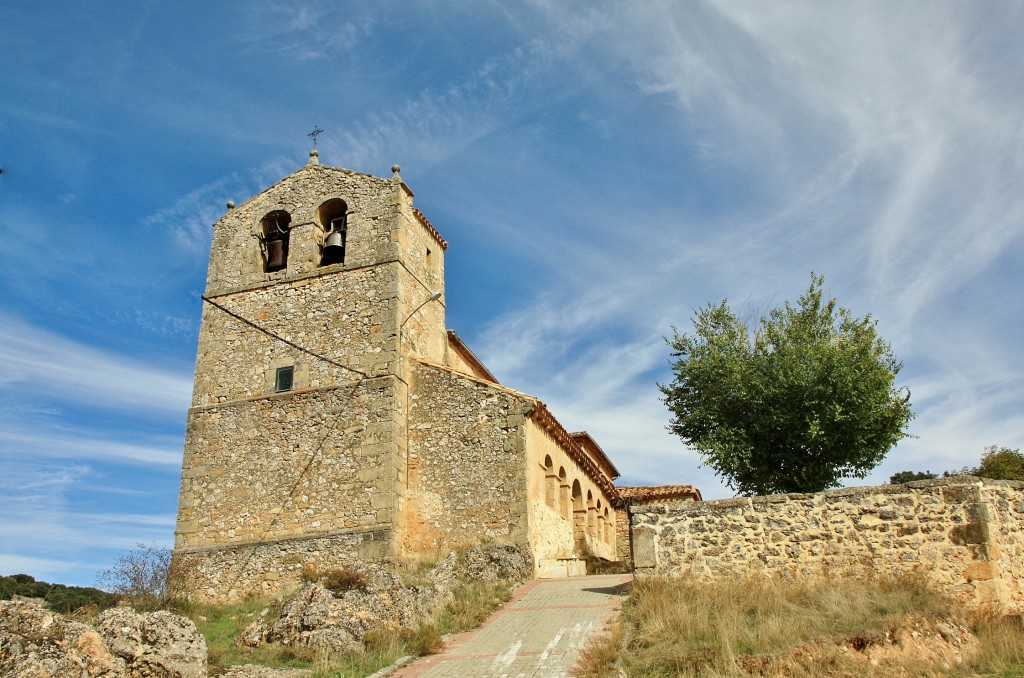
<point x="332" y="217"/>
<point x="275" y="229"/>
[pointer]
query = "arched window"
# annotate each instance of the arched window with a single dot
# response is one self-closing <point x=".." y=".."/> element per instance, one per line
<point x="607" y="526"/>
<point x="274" y="229"/>
<point x="579" y="517"/>
<point x="564" y="498"/>
<point x="550" y="483"/>
<point x="591" y="515"/>
<point x="333" y="219"/>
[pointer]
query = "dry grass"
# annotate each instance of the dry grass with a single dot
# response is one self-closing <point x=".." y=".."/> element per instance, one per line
<point x="1000" y="647"/>
<point x="687" y="627"/>
<point x="471" y="605"/>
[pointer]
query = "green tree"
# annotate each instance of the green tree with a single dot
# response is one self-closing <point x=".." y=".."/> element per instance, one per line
<point x="909" y="476"/>
<point x="1000" y="463"/>
<point x="806" y="400"/>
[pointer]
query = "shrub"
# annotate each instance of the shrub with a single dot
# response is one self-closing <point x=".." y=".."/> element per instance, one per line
<point x="337" y="580"/>
<point x="1000" y="463"/>
<point x="147" y="578"/>
<point x="57" y="597"/>
<point x="342" y="580"/>
<point x="910" y="476"/>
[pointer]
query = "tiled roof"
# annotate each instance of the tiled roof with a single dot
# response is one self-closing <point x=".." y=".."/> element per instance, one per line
<point x="588" y="443"/>
<point x="430" y="228"/>
<point x="455" y="341"/>
<point x="542" y="415"/>
<point x="647" y="493"/>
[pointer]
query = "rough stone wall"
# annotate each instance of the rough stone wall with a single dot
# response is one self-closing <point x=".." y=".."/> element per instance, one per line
<point x="293" y="464"/>
<point x="467" y="462"/>
<point x="1005" y="521"/>
<point x="235" y="258"/>
<point x="963" y="533"/>
<point x="228" y="573"/>
<point x="623" y="547"/>
<point x="348" y="317"/>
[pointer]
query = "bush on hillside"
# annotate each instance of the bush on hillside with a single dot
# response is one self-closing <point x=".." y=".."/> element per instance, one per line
<point x="57" y="597"/>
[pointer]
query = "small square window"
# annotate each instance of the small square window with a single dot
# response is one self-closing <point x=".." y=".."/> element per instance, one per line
<point x="283" y="378"/>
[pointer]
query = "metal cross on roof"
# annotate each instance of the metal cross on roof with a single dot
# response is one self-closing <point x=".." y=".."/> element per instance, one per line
<point x="314" y="134"/>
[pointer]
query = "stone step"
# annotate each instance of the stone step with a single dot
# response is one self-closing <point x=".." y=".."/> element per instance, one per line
<point x="555" y="568"/>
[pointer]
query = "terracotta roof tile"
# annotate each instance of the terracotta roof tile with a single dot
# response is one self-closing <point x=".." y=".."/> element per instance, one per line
<point x="643" y="494"/>
<point x="430" y="228"/>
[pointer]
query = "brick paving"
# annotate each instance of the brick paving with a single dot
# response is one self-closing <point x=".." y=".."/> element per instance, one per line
<point x="537" y="634"/>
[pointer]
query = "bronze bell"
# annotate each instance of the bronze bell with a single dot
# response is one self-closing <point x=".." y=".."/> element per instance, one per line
<point x="334" y="248"/>
<point x="275" y="255"/>
<point x="334" y="242"/>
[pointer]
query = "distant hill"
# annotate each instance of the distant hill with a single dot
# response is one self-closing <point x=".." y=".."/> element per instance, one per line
<point x="57" y="597"/>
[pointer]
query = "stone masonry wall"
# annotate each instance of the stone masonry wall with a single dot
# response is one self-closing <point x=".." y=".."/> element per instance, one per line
<point x="964" y="533"/>
<point x="236" y="261"/>
<point x="348" y="317"/>
<point x="307" y="463"/>
<point x="229" y="573"/>
<point x="467" y="462"/>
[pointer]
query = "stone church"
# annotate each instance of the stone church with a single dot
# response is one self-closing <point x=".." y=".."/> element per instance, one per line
<point x="334" y="416"/>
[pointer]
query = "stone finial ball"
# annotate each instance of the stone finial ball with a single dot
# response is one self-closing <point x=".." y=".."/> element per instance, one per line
<point x="314" y="153"/>
<point x="396" y="168"/>
<point x="231" y="204"/>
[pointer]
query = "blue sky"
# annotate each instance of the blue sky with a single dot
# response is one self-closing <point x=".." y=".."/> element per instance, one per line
<point x="599" y="170"/>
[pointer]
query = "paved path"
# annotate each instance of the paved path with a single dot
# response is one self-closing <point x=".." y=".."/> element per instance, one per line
<point x="537" y="634"/>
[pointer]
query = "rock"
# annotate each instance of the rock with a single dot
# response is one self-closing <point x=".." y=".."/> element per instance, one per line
<point x="37" y="643"/>
<point x="155" y="644"/>
<point x="370" y="596"/>
<point x="498" y="562"/>
<point x="485" y="562"/>
<point x="338" y="621"/>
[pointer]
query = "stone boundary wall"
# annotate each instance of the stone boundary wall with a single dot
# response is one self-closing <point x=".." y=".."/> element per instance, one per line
<point x="965" y="534"/>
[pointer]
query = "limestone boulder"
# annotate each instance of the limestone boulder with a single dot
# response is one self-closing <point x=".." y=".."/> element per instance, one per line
<point x="485" y="562"/>
<point x="37" y="643"/>
<point x="335" y="614"/>
<point x="338" y="620"/>
<point x="154" y="644"/>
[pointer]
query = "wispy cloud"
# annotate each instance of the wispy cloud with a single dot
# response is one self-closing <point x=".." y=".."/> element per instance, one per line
<point x="882" y="147"/>
<point x="45" y="530"/>
<point x="306" y="31"/>
<point x="84" y="445"/>
<point x="40" y="362"/>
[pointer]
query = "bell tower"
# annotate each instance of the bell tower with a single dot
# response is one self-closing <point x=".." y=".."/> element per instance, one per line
<point x="319" y="291"/>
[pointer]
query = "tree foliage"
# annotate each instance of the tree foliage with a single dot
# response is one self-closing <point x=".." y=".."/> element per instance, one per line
<point x="56" y="596"/>
<point x="1000" y="463"/>
<point x="804" y="400"/>
<point x="910" y="476"/>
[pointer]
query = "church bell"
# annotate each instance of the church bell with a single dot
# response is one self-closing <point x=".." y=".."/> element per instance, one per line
<point x="275" y="254"/>
<point x="335" y="243"/>
<point x="334" y="248"/>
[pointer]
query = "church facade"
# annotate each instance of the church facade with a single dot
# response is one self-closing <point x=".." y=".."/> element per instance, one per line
<point x="335" y="417"/>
